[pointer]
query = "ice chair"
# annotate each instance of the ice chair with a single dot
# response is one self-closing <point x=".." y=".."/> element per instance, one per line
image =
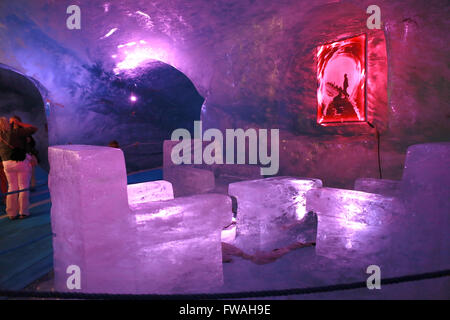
<point x="110" y="238"/>
<point x="408" y="227"/>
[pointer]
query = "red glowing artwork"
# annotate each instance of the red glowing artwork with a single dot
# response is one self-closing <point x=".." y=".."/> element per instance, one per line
<point x="341" y="74"/>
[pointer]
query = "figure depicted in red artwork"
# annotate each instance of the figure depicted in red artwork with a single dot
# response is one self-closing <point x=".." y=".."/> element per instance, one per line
<point x="345" y="85"/>
<point x="340" y="106"/>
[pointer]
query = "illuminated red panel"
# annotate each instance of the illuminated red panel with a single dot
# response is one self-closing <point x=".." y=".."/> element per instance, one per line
<point x="341" y="74"/>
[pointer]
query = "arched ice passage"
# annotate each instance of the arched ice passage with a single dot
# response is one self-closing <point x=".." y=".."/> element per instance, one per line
<point x="23" y="96"/>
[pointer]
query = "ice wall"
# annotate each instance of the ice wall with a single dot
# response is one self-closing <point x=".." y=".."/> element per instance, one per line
<point x="252" y="62"/>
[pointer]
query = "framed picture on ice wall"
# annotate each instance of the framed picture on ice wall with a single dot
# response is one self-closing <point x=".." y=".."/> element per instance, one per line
<point x="341" y="76"/>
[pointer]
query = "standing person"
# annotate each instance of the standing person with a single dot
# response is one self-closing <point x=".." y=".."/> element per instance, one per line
<point x="30" y="149"/>
<point x="345" y="85"/>
<point x="114" y="144"/>
<point x="17" y="165"/>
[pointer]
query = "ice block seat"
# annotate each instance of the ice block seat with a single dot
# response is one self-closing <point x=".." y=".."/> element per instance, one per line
<point x="238" y="171"/>
<point x="379" y="186"/>
<point x="425" y="190"/>
<point x="269" y="212"/>
<point x="149" y="191"/>
<point x="179" y="243"/>
<point x="164" y="246"/>
<point x="352" y="224"/>
<point x="412" y="227"/>
<point x="189" y="181"/>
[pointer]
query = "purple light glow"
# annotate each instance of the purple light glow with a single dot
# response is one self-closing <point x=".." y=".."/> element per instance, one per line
<point x="133" y="58"/>
<point x="133" y="98"/>
<point x="133" y="54"/>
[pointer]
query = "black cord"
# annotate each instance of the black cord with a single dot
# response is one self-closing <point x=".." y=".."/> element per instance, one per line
<point x="228" y="295"/>
<point x="377" y="134"/>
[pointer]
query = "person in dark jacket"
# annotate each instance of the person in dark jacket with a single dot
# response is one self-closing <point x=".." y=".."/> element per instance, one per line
<point x="30" y="149"/>
<point x="18" y="173"/>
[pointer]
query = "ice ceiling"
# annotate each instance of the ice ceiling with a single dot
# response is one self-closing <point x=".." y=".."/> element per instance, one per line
<point x="252" y="61"/>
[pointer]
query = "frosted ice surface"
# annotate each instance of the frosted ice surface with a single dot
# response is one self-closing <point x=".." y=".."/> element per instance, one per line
<point x="270" y="211"/>
<point x="89" y="217"/>
<point x="194" y="213"/>
<point x="189" y="181"/>
<point x="168" y="246"/>
<point x="353" y="225"/>
<point x="238" y="171"/>
<point x="229" y="234"/>
<point x="179" y="243"/>
<point x="379" y="186"/>
<point x="425" y="189"/>
<point x="409" y="233"/>
<point x="149" y="191"/>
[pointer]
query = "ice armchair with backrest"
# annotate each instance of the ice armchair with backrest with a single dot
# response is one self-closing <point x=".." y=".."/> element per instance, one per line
<point x="408" y="226"/>
<point x="123" y="241"/>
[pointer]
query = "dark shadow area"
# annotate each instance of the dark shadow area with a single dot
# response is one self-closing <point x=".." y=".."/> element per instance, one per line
<point x="19" y="96"/>
<point x="141" y="109"/>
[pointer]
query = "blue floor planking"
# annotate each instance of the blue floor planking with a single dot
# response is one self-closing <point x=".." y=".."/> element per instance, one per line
<point x="144" y="176"/>
<point x="26" y="252"/>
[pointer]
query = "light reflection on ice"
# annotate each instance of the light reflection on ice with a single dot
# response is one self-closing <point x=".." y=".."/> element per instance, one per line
<point x="139" y="54"/>
<point x="164" y="214"/>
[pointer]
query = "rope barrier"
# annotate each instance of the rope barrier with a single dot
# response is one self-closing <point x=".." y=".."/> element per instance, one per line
<point x="22" y="190"/>
<point x="216" y="296"/>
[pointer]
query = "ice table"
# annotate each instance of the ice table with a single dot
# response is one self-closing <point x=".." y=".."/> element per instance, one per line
<point x="170" y="246"/>
<point x="269" y="212"/>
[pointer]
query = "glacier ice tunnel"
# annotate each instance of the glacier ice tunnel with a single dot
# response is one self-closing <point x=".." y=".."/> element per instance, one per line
<point x="226" y="146"/>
